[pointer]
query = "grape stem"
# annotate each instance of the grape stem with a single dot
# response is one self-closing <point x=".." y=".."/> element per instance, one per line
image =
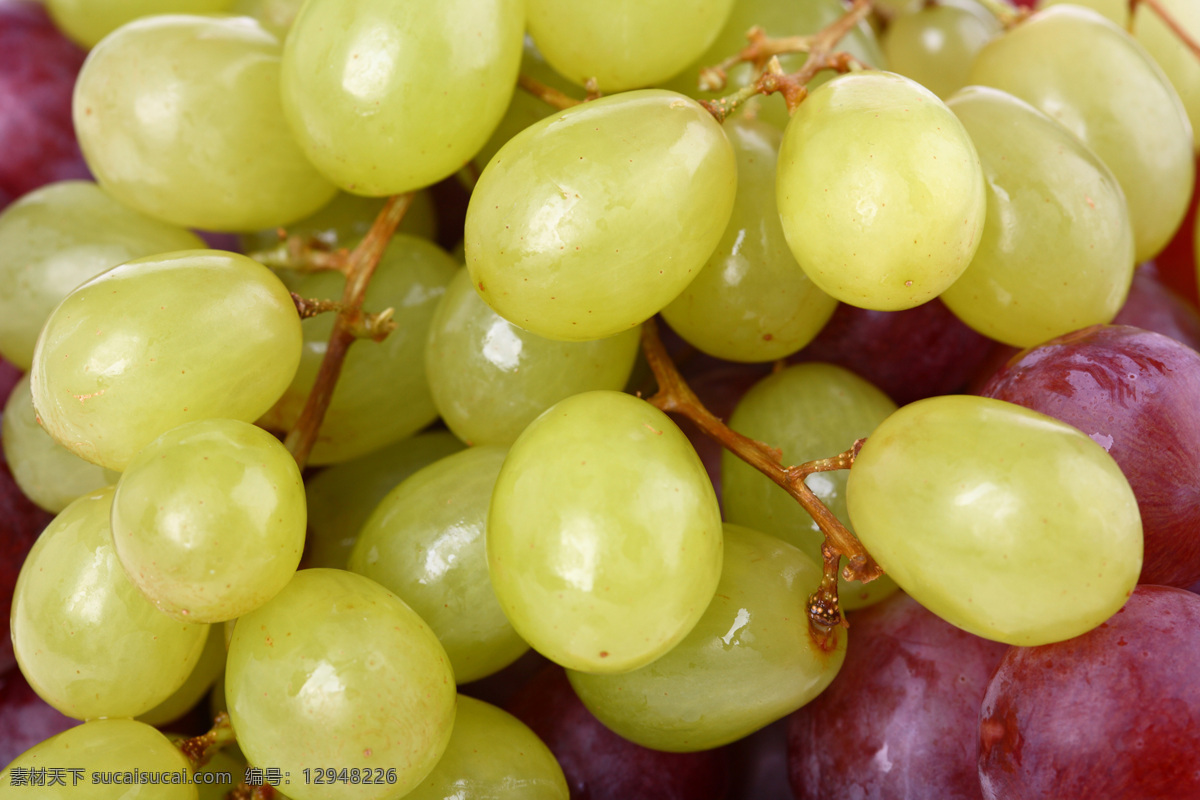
<point x="303" y="254"/>
<point x="1005" y="14"/>
<point x="1157" y="7"/>
<point x="351" y="321"/>
<point x="547" y="94"/>
<point x="245" y="791"/>
<point x="198" y="750"/>
<point x="676" y="397"/>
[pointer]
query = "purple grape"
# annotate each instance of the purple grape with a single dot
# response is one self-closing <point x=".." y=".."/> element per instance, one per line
<point x="900" y="719"/>
<point x="38" y="66"/>
<point x="1113" y="714"/>
<point x="25" y="718"/>
<point x="1152" y="306"/>
<point x="599" y="764"/>
<point x="760" y="764"/>
<point x="1134" y="392"/>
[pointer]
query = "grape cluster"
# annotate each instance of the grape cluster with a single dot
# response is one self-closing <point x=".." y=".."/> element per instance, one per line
<point x="320" y="327"/>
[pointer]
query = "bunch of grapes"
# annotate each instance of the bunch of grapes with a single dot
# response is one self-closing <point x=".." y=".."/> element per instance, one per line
<point x="544" y="399"/>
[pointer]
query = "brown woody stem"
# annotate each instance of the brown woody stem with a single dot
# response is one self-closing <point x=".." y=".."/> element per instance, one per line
<point x="1005" y="14"/>
<point x="676" y="397"/>
<point x="1157" y="7"/>
<point x="199" y="749"/>
<point x="308" y="308"/>
<point x="547" y="94"/>
<point x="302" y="253"/>
<point x="360" y="266"/>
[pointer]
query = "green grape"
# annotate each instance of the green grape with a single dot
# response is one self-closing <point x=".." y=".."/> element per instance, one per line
<point x="777" y="18"/>
<point x="1177" y="60"/>
<point x="382" y="395"/>
<point x="161" y="341"/>
<point x="342" y="498"/>
<point x="48" y="473"/>
<point x="1005" y="522"/>
<point x="604" y="535"/>
<point x="144" y="113"/>
<point x="276" y="16"/>
<point x="89" y="21"/>
<point x="1117" y="11"/>
<point x="624" y="44"/>
<point x="387" y="98"/>
<point x="57" y="237"/>
<point x="935" y="46"/>
<point x="808" y="411"/>
<point x="589" y="222"/>
<point x="208" y="519"/>
<point x="492" y="756"/>
<point x="489" y="378"/>
<point x="1083" y="71"/>
<point x="896" y="8"/>
<point x="92" y="753"/>
<point x="88" y="642"/>
<point x="210" y="778"/>
<point x="752" y="301"/>
<point x="1057" y="248"/>
<point x="335" y="671"/>
<point x="880" y="191"/>
<point x="425" y="543"/>
<point x="750" y="660"/>
<point x="202" y="678"/>
<point x="342" y="223"/>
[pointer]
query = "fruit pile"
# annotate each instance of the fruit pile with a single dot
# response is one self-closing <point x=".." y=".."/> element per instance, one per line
<point x="543" y="399"/>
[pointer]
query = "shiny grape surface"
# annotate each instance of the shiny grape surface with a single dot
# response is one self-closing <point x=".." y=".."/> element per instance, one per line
<point x="57" y="237"/>
<point x="604" y="536"/>
<point x="161" y="341"/>
<point x="492" y="755"/>
<point x="750" y="660"/>
<point x="1005" y="522"/>
<point x="880" y="191"/>
<point x="107" y="651"/>
<point x="103" y="746"/>
<point x="936" y="45"/>
<point x="489" y="378"/>
<point x="589" y="222"/>
<point x="808" y="411"/>
<point x="385" y="99"/>
<point x="425" y="543"/>
<point x="751" y="301"/>
<point x="208" y="519"/>
<point x="336" y="670"/>
<point x="238" y="170"/>
<point x="209" y="668"/>
<point x="89" y="21"/>
<point x="1088" y="74"/>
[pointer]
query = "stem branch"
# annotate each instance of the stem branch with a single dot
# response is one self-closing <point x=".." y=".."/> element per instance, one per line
<point x="547" y="94"/>
<point x="199" y="749"/>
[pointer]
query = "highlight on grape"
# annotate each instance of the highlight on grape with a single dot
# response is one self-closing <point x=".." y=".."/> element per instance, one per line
<point x="546" y="399"/>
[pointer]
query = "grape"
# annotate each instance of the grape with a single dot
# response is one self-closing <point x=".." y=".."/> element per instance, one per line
<point x="902" y="713"/>
<point x="1057" y="248"/>
<point x="1134" y="393"/>
<point x="492" y="755"/>
<point x="808" y="411"/>
<point x="89" y="21"/>
<point x="20" y="523"/>
<point x="1115" y="10"/>
<point x="201" y="679"/>
<point x="589" y="222"/>
<point x="38" y="66"/>
<point x="336" y="671"/>
<point x="489" y="378"/>
<point x="143" y="111"/>
<point x="385" y="99"/>
<point x="1152" y="306"/>
<point x="1177" y="61"/>
<point x="1080" y="69"/>
<point x="382" y="395"/>
<point x="160" y="341"/>
<point x="276" y="16"/>
<point x="48" y="473"/>
<point x="751" y="301"/>
<point x="208" y="519"/>
<point x="425" y="543"/>
<point x="57" y="237"/>
<point x="342" y="498"/>
<point x="653" y="41"/>
<point x="869" y="162"/>
<point x="1009" y="524"/>
<point x="25" y="718"/>
<point x="599" y="764"/>
<point x="750" y="660"/>
<point x="604" y="536"/>
<point x="96" y="750"/>
<point x="86" y="639"/>
<point x="1111" y="713"/>
<point x="936" y="45"/>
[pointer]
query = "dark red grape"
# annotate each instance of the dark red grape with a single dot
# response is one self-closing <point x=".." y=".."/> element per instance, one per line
<point x="1113" y="714"/>
<point x="1153" y="306"/>
<point x="909" y="355"/>
<point x="760" y="764"/>
<point x="38" y="66"/>
<point x="599" y="764"/>
<point x="25" y="718"/>
<point x="1134" y="392"/>
<point x="1177" y="261"/>
<point x="900" y="719"/>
